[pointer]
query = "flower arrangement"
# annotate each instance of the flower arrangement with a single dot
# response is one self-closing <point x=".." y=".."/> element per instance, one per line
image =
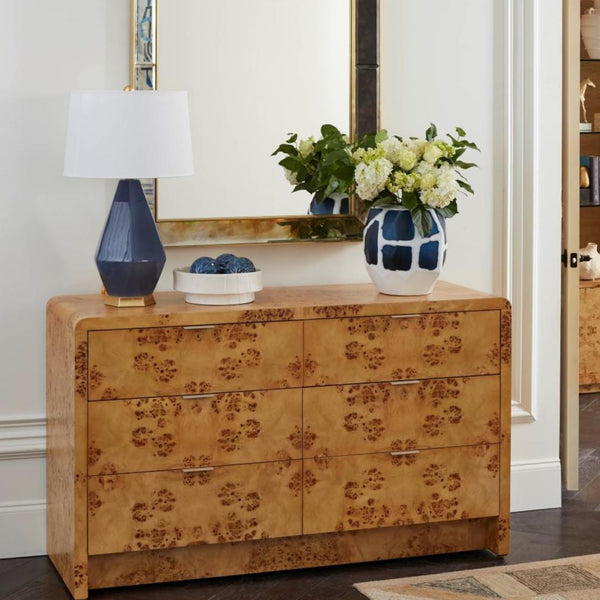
<point x="417" y="174"/>
<point x="322" y="167"/>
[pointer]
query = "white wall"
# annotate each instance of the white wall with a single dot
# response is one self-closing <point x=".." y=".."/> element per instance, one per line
<point x="49" y="225"/>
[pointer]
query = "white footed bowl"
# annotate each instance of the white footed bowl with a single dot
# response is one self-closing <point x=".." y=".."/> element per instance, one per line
<point x="218" y="288"/>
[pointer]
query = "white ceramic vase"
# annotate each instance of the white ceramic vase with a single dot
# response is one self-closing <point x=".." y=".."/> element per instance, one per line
<point x="590" y="30"/>
<point x="399" y="260"/>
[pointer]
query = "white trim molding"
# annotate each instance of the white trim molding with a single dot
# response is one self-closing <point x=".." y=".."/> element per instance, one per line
<point x="535" y="485"/>
<point x="22" y="528"/>
<point x="22" y="437"/>
<point x="521" y="192"/>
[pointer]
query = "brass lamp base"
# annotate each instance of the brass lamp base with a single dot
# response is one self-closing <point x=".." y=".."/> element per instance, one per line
<point x="121" y="302"/>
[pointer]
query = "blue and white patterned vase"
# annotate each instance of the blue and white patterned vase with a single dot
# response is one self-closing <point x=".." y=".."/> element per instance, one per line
<point x="399" y="261"/>
<point x="336" y="204"/>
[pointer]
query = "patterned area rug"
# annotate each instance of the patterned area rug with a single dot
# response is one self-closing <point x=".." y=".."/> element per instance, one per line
<point x="576" y="578"/>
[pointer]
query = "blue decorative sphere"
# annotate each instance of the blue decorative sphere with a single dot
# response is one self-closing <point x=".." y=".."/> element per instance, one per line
<point x="205" y="265"/>
<point x="223" y="261"/>
<point x="241" y="265"/>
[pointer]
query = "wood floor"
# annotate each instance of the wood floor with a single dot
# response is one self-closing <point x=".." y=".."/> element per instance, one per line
<point x="539" y="535"/>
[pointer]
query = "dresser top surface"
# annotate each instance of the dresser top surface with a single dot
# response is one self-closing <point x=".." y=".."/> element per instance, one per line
<point x="271" y="304"/>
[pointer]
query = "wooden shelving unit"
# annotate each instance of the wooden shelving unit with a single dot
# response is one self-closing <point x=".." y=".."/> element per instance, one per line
<point x="589" y="231"/>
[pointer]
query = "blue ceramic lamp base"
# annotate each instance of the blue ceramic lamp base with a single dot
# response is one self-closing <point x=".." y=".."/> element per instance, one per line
<point x="130" y="255"/>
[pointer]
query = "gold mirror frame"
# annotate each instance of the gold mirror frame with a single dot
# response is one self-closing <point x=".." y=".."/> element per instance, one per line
<point x="364" y="118"/>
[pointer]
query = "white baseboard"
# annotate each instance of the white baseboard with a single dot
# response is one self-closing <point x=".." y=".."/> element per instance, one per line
<point x="22" y="528"/>
<point x="535" y="485"/>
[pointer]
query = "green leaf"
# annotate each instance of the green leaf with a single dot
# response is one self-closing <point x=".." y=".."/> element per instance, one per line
<point x="461" y="132"/>
<point x="410" y="200"/>
<point x="293" y="137"/>
<point x="345" y="172"/>
<point x="464" y="165"/>
<point x="335" y="156"/>
<point x="448" y="211"/>
<point x="465" y="186"/>
<point x="385" y="198"/>
<point x="331" y="188"/>
<point x="431" y="133"/>
<point x="290" y="163"/>
<point x="463" y="143"/>
<point x="286" y="149"/>
<point x="329" y="131"/>
<point x="380" y="136"/>
<point x="422" y="220"/>
<point x="368" y="141"/>
<point x="302" y="173"/>
<point x="300" y="186"/>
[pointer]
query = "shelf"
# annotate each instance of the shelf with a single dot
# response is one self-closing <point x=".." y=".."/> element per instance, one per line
<point x="589" y="206"/>
<point x="590" y="60"/>
<point x="589" y="132"/>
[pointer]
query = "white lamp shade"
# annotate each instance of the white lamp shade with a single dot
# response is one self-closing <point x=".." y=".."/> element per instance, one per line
<point x="128" y="135"/>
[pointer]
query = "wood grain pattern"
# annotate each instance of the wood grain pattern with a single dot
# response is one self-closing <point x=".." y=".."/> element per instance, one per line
<point x="147" y="522"/>
<point x="433" y="413"/>
<point x="149" y="434"/>
<point x="167" y="509"/>
<point x="381" y="490"/>
<point x="589" y="335"/>
<point x="275" y="304"/>
<point x="164" y="361"/>
<point x="499" y="541"/>
<point x="135" y="568"/>
<point x="364" y="349"/>
<point x="66" y="405"/>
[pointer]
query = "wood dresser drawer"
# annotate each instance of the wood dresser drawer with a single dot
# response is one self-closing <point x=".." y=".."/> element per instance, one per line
<point x="381" y="490"/>
<point x="163" y="361"/>
<point x="361" y="349"/>
<point x="167" y="509"/>
<point x="151" y="434"/>
<point x="433" y="413"/>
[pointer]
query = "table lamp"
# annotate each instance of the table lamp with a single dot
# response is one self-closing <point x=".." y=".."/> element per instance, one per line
<point x="129" y="135"/>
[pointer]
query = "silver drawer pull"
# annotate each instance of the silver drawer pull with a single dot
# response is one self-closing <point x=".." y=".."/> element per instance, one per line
<point x="199" y="326"/>
<point x="198" y="396"/>
<point x="405" y="316"/>
<point x="411" y="382"/>
<point x="198" y="470"/>
<point x="404" y="452"/>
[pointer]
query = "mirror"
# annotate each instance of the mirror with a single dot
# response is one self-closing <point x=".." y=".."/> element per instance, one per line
<point x="254" y="71"/>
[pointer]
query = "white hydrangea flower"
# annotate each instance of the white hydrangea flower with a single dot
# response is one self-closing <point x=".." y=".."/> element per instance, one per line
<point x="446" y="189"/>
<point x="290" y="176"/>
<point x="428" y="175"/>
<point x="397" y="153"/>
<point x="437" y="149"/>
<point x="392" y="147"/>
<point x="358" y="155"/>
<point x="405" y="182"/>
<point x="306" y="147"/>
<point x="432" y="153"/>
<point x="368" y="155"/>
<point x="371" y="178"/>
<point x="415" y="145"/>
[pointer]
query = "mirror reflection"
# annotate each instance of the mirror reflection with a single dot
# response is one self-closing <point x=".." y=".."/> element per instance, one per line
<point x="254" y="71"/>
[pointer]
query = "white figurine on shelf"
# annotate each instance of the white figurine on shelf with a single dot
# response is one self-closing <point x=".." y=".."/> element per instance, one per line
<point x="583" y="86"/>
<point x="589" y="269"/>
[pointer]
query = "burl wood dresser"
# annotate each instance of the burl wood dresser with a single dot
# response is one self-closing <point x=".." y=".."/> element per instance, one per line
<point x="316" y="426"/>
<point x="589" y="336"/>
